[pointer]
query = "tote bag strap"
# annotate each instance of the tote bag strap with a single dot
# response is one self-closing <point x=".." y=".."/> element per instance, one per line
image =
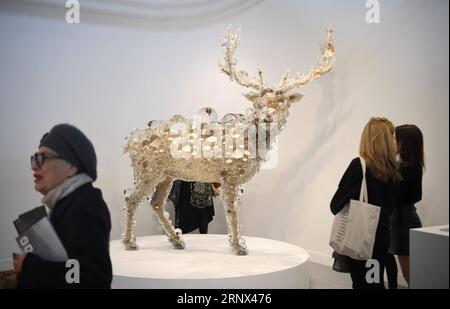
<point x="363" y="195"/>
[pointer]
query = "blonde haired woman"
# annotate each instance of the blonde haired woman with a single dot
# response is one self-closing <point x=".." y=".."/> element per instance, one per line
<point x="377" y="149"/>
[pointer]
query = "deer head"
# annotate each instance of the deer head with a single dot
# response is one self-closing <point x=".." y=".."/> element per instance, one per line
<point x="271" y="104"/>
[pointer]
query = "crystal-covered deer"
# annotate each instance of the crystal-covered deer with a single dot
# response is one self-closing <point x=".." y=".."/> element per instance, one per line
<point x="158" y="157"/>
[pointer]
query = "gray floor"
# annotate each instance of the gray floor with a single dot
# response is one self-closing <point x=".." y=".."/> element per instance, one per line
<point x="323" y="277"/>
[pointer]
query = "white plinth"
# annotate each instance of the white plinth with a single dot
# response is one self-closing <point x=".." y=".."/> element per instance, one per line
<point x="208" y="263"/>
<point x="429" y="257"/>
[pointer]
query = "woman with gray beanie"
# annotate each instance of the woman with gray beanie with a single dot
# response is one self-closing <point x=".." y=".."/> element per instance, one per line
<point x="64" y="169"/>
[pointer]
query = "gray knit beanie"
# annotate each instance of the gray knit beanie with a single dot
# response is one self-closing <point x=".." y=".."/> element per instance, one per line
<point x="73" y="146"/>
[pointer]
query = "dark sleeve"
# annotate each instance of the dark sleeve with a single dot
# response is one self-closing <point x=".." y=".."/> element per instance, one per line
<point x="410" y="189"/>
<point x="91" y="247"/>
<point x="349" y="187"/>
<point x="88" y="243"/>
<point x="39" y="273"/>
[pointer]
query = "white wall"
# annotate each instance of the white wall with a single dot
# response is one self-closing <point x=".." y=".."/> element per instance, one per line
<point x="108" y="76"/>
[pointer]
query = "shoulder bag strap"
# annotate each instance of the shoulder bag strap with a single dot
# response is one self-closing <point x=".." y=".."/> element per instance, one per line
<point x="363" y="195"/>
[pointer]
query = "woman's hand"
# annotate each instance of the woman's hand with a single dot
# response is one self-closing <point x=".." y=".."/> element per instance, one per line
<point x="18" y="261"/>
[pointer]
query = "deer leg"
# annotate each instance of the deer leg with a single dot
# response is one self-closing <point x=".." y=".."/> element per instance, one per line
<point x="158" y="204"/>
<point x="231" y="204"/>
<point x="141" y="190"/>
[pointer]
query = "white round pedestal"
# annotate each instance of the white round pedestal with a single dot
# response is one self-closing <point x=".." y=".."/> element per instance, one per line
<point x="207" y="262"/>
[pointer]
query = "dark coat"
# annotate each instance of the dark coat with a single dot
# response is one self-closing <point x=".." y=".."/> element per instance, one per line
<point x="405" y="215"/>
<point x="83" y="224"/>
<point x="193" y="209"/>
<point x="410" y="190"/>
<point x="380" y="194"/>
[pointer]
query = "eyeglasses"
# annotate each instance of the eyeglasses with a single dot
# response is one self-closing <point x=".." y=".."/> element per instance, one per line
<point x="39" y="158"/>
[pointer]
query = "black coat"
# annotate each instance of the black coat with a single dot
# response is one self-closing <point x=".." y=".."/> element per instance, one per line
<point x="83" y="224"/>
<point x="410" y="190"/>
<point x="192" y="209"/>
<point x="405" y="215"/>
<point x="380" y="194"/>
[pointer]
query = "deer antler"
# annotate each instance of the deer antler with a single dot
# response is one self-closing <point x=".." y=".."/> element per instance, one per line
<point x="230" y="43"/>
<point x="325" y="64"/>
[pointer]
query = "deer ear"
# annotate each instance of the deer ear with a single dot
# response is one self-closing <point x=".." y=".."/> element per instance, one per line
<point x="295" y="97"/>
<point x="252" y="96"/>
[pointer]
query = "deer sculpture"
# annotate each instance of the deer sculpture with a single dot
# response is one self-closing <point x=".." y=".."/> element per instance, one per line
<point x="152" y="149"/>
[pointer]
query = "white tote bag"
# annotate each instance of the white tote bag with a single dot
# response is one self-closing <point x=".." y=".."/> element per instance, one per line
<point x="355" y="226"/>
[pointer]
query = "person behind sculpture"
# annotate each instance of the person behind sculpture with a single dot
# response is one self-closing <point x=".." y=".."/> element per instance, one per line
<point x="64" y="169"/>
<point x="411" y="159"/>
<point x="194" y="205"/>
<point x="382" y="176"/>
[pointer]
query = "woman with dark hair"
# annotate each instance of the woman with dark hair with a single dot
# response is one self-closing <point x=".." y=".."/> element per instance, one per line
<point x="411" y="158"/>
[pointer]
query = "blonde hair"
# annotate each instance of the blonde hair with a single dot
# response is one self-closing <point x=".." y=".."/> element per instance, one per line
<point x="389" y="124"/>
<point x="376" y="148"/>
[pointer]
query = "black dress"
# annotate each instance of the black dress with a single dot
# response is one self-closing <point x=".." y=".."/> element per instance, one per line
<point x="83" y="224"/>
<point x="405" y="215"/>
<point x="381" y="194"/>
<point x="194" y="206"/>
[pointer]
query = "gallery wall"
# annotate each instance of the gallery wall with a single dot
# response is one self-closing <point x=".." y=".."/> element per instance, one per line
<point x="110" y="74"/>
